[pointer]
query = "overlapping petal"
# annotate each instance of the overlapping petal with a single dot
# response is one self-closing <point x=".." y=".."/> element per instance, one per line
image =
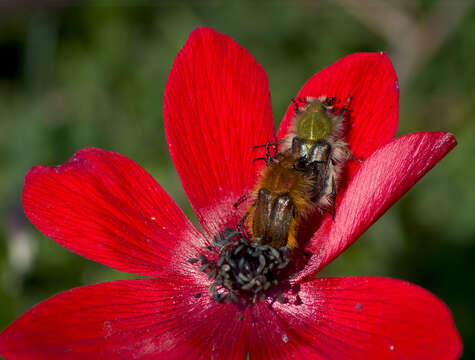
<point x="380" y="181"/>
<point x="338" y="318"/>
<point x="128" y="319"/>
<point x="107" y="208"/>
<point x="217" y="106"/>
<point x="370" y="80"/>
<point x="362" y="318"/>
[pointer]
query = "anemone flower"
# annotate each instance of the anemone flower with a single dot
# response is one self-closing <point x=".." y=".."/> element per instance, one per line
<point x="105" y="207"/>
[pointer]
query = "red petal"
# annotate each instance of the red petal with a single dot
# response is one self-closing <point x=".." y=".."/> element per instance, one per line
<point x="370" y="79"/>
<point x="217" y="106"/>
<point x="381" y="180"/>
<point x="365" y="318"/>
<point x="105" y="207"/>
<point x="151" y="318"/>
<point x="129" y="319"/>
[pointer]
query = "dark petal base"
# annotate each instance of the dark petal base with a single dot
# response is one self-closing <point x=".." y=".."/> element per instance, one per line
<point x="243" y="271"/>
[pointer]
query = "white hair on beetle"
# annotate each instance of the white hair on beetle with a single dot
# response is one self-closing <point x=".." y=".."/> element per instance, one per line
<point x="339" y="153"/>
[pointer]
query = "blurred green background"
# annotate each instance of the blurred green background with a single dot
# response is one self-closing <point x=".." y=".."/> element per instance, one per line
<point x="74" y="74"/>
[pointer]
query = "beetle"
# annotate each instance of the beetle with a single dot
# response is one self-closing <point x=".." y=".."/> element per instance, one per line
<point x="301" y="178"/>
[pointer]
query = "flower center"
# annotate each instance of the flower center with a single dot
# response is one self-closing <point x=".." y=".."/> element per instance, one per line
<point x="242" y="270"/>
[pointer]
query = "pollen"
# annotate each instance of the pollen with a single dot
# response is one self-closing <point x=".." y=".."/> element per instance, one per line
<point x="241" y="270"/>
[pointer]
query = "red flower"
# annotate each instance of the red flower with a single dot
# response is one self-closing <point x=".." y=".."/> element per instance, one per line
<point x="105" y="207"/>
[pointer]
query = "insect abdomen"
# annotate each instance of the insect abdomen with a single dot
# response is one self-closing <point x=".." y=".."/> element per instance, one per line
<point x="272" y="218"/>
<point x="281" y="198"/>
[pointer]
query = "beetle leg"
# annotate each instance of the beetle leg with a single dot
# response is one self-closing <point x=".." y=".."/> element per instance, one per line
<point x="240" y="226"/>
<point x="269" y="158"/>
<point x="345" y="108"/>
<point x="348" y="152"/>
<point x="241" y="199"/>
<point x="333" y="197"/>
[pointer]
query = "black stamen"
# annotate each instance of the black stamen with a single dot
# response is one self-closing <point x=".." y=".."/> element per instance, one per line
<point x="242" y="269"/>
